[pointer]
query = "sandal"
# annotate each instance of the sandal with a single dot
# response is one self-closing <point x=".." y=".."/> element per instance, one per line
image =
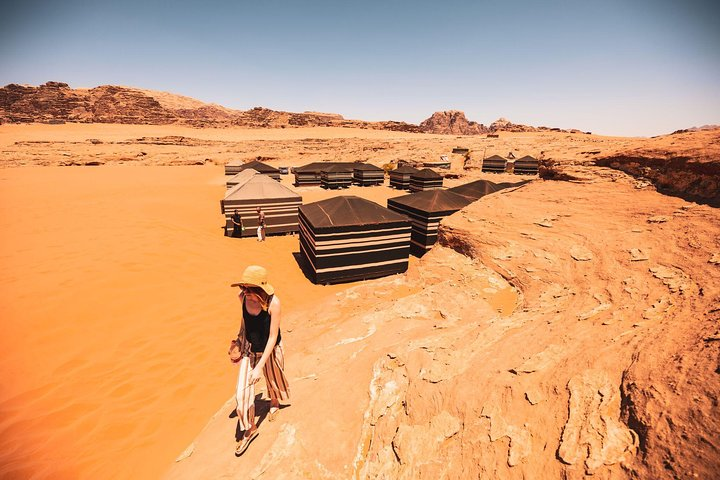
<point x="273" y="413"/>
<point x="244" y="443"/>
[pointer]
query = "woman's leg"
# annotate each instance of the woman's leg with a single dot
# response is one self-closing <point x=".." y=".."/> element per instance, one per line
<point x="245" y="395"/>
<point x="275" y="379"/>
<point x="259" y="234"/>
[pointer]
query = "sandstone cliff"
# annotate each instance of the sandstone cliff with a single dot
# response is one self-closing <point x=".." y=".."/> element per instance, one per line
<point x="684" y="163"/>
<point x="56" y="102"/>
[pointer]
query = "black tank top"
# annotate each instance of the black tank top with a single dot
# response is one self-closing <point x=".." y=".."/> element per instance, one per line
<point x="257" y="328"/>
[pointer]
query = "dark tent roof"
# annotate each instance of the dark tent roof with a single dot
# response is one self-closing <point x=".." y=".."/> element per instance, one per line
<point x="496" y="157"/>
<point x="405" y="169"/>
<point x="433" y="201"/>
<point x="526" y="158"/>
<point x="475" y="189"/>
<point x="480" y="188"/>
<point x="366" y="167"/>
<point x="317" y="167"/>
<point x="338" y="167"/>
<point x="260" y="167"/>
<point x="427" y="174"/>
<point x="347" y="212"/>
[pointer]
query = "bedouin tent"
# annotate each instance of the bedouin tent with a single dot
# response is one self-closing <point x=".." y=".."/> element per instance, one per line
<point x="425" y="210"/>
<point x="339" y="175"/>
<point x="526" y="165"/>
<point x="310" y="174"/>
<point x="241" y="177"/>
<point x="480" y="188"/>
<point x="262" y="168"/>
<point x="366" y="174"/>
<point x="495" y="164"/>
<point x="279" y="203"/>
<point x="425" y="179"/>
<point x="348" y="238"/>
<point x="400" y="177"/>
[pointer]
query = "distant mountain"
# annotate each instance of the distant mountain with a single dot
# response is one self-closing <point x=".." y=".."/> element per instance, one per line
<point x="56" y="102"/>
<point x="697" y="129"/>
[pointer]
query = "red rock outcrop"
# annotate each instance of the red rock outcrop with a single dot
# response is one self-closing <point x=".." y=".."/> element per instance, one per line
<point x="56" y="102"/>
<point x="451" y="122"/>
<point x="684" y="163"/>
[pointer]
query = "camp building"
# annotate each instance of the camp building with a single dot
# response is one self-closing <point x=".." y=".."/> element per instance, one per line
<point x="495" y="164"/>
<point x="400" y="177"/>
<point x="366" y="174"/>
<point x="339" y="175"/>
<point x="526" y="165"/>
<point x="425" y="179"/>
<point x="348" y="238"/>
<point x="425" y="210"/>
<point x="279" y="203"/>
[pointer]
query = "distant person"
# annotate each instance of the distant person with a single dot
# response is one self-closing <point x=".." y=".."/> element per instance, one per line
<point x="261" y="225"/>
<point x="258" y="351"/>
<point x="238" y="228"/>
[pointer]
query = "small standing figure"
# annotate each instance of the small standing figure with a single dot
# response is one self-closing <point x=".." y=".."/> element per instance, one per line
<point x="237" y="224"/>
<point x="261" y="225"/>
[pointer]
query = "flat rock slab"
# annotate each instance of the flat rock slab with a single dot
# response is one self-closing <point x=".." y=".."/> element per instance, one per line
<point x="581" y="254"/>
<point x="637" y="255"/>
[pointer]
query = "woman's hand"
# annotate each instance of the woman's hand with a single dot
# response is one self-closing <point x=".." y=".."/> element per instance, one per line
<point x="255" y="375"/>
<point x="234" y="352"/>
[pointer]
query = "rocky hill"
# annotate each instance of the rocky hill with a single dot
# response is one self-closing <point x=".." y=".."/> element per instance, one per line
<point x="452" y="122"/>
<point x="56" y="102"/>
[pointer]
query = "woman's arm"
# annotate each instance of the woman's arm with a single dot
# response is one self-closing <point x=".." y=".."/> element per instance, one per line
<point x="274" y="310"/>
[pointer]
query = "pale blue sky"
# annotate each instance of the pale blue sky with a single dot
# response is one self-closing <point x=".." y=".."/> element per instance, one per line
<point x="611" y="67"/>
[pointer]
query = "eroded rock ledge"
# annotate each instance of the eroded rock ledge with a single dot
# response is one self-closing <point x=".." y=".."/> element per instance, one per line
<point x="607" y="367"/>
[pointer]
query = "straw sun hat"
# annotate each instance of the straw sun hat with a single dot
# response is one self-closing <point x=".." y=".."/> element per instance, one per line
<point x="255" y="276"/>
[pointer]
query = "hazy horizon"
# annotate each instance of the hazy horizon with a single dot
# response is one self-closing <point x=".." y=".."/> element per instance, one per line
<point x="610" y="68"/>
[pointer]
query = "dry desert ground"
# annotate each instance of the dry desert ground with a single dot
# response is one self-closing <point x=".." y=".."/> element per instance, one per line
<point x="565" y="328"/>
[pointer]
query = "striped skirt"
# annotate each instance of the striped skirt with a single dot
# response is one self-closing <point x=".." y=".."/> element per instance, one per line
<point x="275" y="381"/>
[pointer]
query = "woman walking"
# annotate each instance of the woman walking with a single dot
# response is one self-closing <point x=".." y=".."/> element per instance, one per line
<point x="258" y="351"/>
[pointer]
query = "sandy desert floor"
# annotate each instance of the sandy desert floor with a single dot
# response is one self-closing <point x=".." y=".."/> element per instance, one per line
<point x="115" y="299"/>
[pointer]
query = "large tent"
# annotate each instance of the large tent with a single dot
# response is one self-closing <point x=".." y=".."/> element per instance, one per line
<point x="495" y="164"/>
<point x="279" y="203"/>
<point x="311" y="174"/>
<point x="308" y="174"/>
<point x="425" y="210"/>
<point x="348" y="238"/>
<point x="425" y="179"/>
<point x="400" y="177"/>
<point x="366" y="174"/>
<point x="526" y="165"/>
<point x="339" y="175"/>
